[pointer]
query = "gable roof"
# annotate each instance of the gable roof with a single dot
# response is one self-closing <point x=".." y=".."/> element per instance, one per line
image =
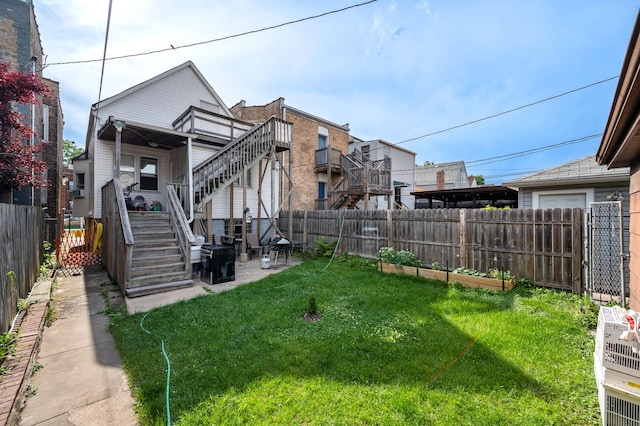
<point x="427" y="175"/>
<point x="579" y="171"/>
<point x="161" y="76"/>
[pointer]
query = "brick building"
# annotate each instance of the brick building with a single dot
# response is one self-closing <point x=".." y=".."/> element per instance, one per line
<point x="21" y="48"/>
<point x="312" y="137"/>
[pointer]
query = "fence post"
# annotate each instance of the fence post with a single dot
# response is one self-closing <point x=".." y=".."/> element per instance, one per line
<point x="305" y="234"/>
<point x="389" y="229"/>
<point x="341" y="228"/>
<point x="463" y="238"/>
<point x="576" y="246"/>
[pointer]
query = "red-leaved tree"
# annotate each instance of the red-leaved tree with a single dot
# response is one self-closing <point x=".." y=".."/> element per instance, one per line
<point x="20" y="164"/>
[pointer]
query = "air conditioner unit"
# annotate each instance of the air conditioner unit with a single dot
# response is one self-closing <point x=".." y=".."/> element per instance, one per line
<point x="78" y="193"/>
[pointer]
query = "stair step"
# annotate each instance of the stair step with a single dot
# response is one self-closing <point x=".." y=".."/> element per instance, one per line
<point x="149" y="243"/>
<point x="153" y="279"/>
<point x="155" y="251"/>
<point x="168" y="268"/>
<point x="151" y="229"/>
<point x="150" y="260"/>
<point x="157" y="288"/>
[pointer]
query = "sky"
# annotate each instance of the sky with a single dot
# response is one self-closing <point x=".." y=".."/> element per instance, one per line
<point x="423" y="74"/>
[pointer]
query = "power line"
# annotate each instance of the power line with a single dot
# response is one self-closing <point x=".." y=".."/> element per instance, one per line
<point x="506" y="157"/>
<point x="151" y="52"/>
<point x="508" y="111"/>
<point x="491" y="160"/>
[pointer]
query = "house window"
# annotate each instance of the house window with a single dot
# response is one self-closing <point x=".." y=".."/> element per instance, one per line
<point x="45" y="123"/>
<point x="127" y="170"/>
<point x="365" y="151"/>
<point x="149" y="173"/>
<point x="322" y="190"/>
<point x="78" y="182"/>
<point x="386" y="150"/>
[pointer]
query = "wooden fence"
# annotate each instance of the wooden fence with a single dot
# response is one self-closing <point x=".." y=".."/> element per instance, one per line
<point x="542" y="245"/>
<point x="21" y="253"/>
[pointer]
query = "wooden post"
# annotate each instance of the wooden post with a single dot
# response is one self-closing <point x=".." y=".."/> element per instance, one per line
<point x="389" y="229"/>
<point x="305" y="234"/>
<point x="463" y="238"/>
<point x="577" y="251"/>
<point x="243" y="249"/>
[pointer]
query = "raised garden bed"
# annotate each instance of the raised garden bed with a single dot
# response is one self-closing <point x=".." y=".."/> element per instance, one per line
<point x="464" y="280"/>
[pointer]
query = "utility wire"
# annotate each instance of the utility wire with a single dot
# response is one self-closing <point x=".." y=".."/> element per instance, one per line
<point x="151" y="52"/>
<point x="104" y="55"/>
<point x="508" y="111"/>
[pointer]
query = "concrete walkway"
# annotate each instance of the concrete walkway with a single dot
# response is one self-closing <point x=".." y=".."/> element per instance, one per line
<point x="80" y="379"/>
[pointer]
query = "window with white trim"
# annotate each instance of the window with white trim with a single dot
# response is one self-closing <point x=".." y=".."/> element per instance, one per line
<point x="148" y="173"/>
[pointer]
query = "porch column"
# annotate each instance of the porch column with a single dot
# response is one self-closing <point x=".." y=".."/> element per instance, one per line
<point x="119" y="125"/>
<point x="243" y="251"/>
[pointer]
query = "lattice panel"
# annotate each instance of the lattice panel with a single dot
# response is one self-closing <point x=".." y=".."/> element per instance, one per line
<point x="606" y="249"/>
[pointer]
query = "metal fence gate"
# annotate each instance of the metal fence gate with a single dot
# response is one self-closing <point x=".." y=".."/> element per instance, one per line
<point x="605" y="250"/>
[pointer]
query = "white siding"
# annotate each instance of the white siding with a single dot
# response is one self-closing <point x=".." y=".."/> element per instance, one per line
<point x="106" y="152"/>
<point x="221" y="202"/>
<point x="161" y="102"/>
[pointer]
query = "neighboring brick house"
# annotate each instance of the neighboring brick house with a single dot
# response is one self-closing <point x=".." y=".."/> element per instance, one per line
<point x="311" y="184"/>
<point x="21" y="48"/>
<point x="620" y="147"/>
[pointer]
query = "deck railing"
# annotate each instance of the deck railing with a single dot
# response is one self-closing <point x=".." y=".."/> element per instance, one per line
<point x="117" y="238"/>
<point x="227" y="165"/>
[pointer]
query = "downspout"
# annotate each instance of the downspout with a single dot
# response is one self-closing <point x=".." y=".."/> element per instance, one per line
<point x="190" y="174"/>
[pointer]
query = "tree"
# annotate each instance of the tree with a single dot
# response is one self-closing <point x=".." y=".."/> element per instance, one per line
<point x="20" y="164"/>
<point x="426" y="163"/>
<point x="479" y="180"/>
<point x="69" y="151"/>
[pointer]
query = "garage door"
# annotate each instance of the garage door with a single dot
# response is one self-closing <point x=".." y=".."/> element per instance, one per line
<point x="561" y="201"/>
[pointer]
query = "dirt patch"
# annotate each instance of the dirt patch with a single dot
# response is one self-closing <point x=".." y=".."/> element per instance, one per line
<point x="312" y="317"/>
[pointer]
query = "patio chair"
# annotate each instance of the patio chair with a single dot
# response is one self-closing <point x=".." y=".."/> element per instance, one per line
<point x="253" y="245"/>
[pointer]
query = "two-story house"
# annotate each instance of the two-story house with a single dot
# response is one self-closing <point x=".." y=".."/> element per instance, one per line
<point x="167" y="158"/>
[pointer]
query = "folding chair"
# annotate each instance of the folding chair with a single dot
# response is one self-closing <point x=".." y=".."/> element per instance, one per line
<point x="253" y="245"/>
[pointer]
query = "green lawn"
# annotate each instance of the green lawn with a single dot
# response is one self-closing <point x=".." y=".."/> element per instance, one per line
<point x="389" y="350"/>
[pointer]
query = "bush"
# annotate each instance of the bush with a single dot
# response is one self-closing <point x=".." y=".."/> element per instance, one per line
<point x="398" y="258"/>
<point x="325" y="248"/>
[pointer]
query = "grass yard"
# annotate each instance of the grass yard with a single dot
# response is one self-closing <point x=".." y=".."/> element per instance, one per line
<point x="389" y="350"/>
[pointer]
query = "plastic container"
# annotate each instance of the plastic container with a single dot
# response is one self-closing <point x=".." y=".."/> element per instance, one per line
<point x="265" y="262"/>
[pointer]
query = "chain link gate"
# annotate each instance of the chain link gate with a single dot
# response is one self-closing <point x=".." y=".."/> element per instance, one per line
<point x="606" y="251"/>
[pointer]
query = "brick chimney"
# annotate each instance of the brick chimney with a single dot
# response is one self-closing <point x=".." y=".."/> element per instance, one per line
<point x="440" y="180"/>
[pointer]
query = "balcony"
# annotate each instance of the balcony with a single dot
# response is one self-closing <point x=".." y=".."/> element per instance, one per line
<point x="328" y="160"/>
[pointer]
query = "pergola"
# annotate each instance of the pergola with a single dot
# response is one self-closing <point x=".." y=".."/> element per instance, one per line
<point x="498" y="196"/>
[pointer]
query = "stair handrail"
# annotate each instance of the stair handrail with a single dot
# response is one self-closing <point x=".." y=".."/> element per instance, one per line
<point x="180" y="225"/>
<point x="229" y="162"/>
<point x="117" y="236"/>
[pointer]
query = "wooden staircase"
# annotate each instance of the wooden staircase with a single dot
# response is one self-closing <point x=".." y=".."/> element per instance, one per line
<point x="226" y="166"/>
<point x="361" y="177"/>
<point x="157" y="263"/>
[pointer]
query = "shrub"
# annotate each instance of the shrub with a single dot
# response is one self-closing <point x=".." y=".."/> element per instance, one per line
<point x="398" y="258"/>
<point x="436" y="266"/>
<point x="325" y="248"/>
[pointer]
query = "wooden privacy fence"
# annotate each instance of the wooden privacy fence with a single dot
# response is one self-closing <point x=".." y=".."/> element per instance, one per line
<point x="21" y="237"/>
<point x="542" y="245"/>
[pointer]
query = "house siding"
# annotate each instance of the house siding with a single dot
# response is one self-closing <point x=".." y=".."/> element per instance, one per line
<point x="161" y="102"/>
<point x="634" y="236"/>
